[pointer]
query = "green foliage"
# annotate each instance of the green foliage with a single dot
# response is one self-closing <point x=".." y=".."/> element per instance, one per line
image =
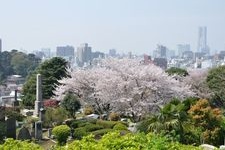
<point x="80" y="132"/>
<point x="216" y="83"/>
<point x="52" y="71"/>
<point x="114" y="116"/>
<point x="209" y="120"/>
<point x="114" y="141"/>
<point x="120" y="126"/>
<point x="11" y="144"/>
<point x="15" y="62"/>
<point x="54" y="116"/>
<point x="61" y="133"/>
<point x="101" y="132"/>
<point x="106" y="124"/>
<point x="71" y="103"/>
<point x="93" y="127"/>
<point x="177" y="71"/>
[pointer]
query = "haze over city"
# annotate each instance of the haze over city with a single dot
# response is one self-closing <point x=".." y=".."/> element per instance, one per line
<point x="127" y="25"/>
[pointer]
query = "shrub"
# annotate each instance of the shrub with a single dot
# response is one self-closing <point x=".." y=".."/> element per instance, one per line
<point x="106" y="124"/>
<point x="120" y="126"/>
<point x="88" y="110"/>
<point x="101" y="132"/>
<point x="11" y="144"/>
<point x="50" y="103"/>
<point x="93" y="127"/>
<point x="61" y="133"/>
<point x="114" y="116"/>
<point x="79" y="133"/>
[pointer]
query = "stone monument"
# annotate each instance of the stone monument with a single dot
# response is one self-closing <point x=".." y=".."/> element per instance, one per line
<point x="24" y="134"/>
<point x="11" y="128"/>
<point x="38" y="130"/>
<point x="38" y="102"/>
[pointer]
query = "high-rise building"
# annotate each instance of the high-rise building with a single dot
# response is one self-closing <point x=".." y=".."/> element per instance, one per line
<point x="181" y="48"/>
<point x="67" y="52"/>
<point x="112" y="52"/>
<point x="84" y="54"/>
<point x="202" y="40"/>
<point x="0" y="45"/>
<point x="160" y="52"/>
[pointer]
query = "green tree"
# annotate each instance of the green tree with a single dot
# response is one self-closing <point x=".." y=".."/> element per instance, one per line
<point x="52" y="71"/>
<point x="61" y="133"/>
<point x="71" y="103"/>
<point x="54" y="116"/>
<point x="177" y="71"/>
<point x="216" y="83"/>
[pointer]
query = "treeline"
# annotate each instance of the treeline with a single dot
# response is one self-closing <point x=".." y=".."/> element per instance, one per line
<point x="16" y="62"/>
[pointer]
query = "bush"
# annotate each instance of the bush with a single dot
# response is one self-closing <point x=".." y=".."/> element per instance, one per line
<point x="106" y="124"/>
<point x="101" y="132"/>
<point x="11" y="144"/>
<point x="61" y="133"/>
<point x="120" y="126"/>
<point x="50" y="103"/>
<point x="88" y="110"/>
<point x="79" y="133"/>
<point x="114" y="116"/>
<point x="93" y="127"/>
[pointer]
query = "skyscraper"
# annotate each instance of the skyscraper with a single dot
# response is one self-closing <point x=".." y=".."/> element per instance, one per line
<point x="84" y="54"/>
<point x="0" y="45"/>
<point x="202" y="40"/>
<point x="183" y="48"/>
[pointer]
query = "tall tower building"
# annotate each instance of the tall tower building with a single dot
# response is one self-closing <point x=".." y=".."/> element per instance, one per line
<point x="84" y="54"/>
<point x="202" y="40"/>
<point x="0" y="45"/>
<point x="67" y="52"/>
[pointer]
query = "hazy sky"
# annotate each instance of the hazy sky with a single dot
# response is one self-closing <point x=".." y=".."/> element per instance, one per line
<point x="126" y="25"/>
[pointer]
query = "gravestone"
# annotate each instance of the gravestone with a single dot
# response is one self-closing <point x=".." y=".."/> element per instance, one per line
<point x="16" y="102"/>
<point x="2" y="113"/>
<point x="11" y="128"/>
<point x="38" y="130"/>
<point x="33" y="130"/>
<point x="49" y="132"/>
<point x="24" y="134"/>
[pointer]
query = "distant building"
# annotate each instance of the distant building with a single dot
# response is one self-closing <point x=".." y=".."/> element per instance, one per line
<point x="160" y="52"/>
<point x="0" y="45"/>
<point x="161" y="62"/>
<point x="202" y="40"/>
<point x="147" y="59"/>
<point x="66" y="52"/>
<point x="188" y="55"/>
<point x="181" y="48"/>
<point x="47" y="52"/>
<point x="112" y="53"/>
<point x="84" y="54"/>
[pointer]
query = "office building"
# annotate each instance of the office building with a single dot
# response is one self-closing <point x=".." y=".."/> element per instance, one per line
<point x="66" y="52"/>
<point x="160" y="52"/>
<point x="84" y="54"/>
<point x="202" y="40"/>
<point x="181" y="48"/>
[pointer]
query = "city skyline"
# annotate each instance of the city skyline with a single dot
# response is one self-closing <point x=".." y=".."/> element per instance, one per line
<point x="128" y="25"/>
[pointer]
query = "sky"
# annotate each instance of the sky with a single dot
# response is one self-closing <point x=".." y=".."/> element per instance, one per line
<point x="126" y="25"/>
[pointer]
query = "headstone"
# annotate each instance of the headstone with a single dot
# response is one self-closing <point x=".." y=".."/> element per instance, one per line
<point x="16" y="102"/>
<point x="33" y="130"/>
<point x="24" y="134"/>
<point x="38" y="130"/>
<point x="11" y="128"/>
<point x="2" y="113"/>
<point x="49" y="132"/>
<point x="38" y="102"/>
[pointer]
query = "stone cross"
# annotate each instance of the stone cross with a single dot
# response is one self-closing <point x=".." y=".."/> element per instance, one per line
<point x="38" y="102"/>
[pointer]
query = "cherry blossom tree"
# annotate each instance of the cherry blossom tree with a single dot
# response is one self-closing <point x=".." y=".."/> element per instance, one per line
<point x="126" y="86"/>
